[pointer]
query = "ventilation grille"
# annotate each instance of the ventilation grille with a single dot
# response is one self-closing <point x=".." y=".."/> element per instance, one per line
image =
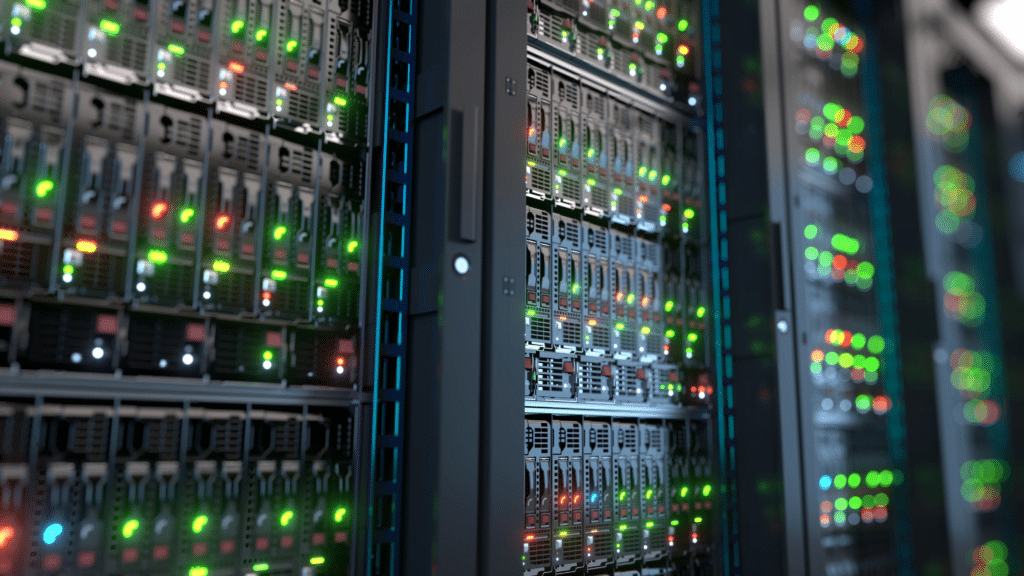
<point x="552" y="382"/>
<point x="234" y="291"/>
<point x="539" y="180"/>
<point x="551" y="26"/>
<point x="592" y="384"/>
<point x="538" y="437"/>
<point x="172" y="285"/>
<point x="597" y="240"/>
<point x="128" y="52"/>
<point x="22" y="264"/>
<point x="627" y="386"/>
<point x="571" y="331"/>
<point x="251" y="89"/>
<point x="569" y="437"/>
<point x="626" y="436"/>
<point x="304" y="107"/>
<point x="568" y="232"/>
<point x="600" y="336"/>
<point x="121" y="118"/>
<point x="591" y="46"/>
<point x="627" y="338"/>
<point x="539" y="329"/>
<point x="599" y="199"/>
<point x="568" y="93"/>
<point x="48" y="98"/>
<point x="540" y="552"/>
<point x="594" y="104"/>
<point x="539" y="226"/>
<point x="538" y="81"/>
<point x="570" y="191"/>
<point x="622" y="246"/>
<point x="193" y="71"/>
<point x="187" y="134"/>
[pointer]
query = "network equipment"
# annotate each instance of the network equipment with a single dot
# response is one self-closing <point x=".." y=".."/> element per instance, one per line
<point x="183" y="222"/>
<point x="618" y="435"/>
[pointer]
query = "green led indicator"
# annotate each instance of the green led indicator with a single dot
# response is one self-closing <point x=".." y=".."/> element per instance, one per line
<point x="854" y="479"/>
<point x="669" y="305"/>
<point x="352" y="246"/>
<point x="287" y="516"/>
<point x="199" y="523"/>
<point x="688" y="213"/>
<point x="863" y="403"/>
<point x="701" y="311"/>
<point x="683" y="491"/>
<point x="692" y="336"/>
<point x="812" y="156"/>
<point x="291" y="45"/>
<point x="645" y="330"/>
<point x="261" y="567"/>
<point x="876" y="344"/>
<point x="630" y="298"/>
<point x="662" y="37"/>
<point x="316" y="560"/>
<point x="44" y="188"/>
<point x="221" y="266"/>
<point x="176" y="49"/>
<point x="269" y="355"/>
<point x="576" y="288"/>
<point x="844" y="243"/>
<point x="811" y="13"/>
<point x="339" y="514"/>
<point x="186" y="215"/>
<point x="36" y="4"/>
<point x="279" y="232"/>
<point x="531" y="312"/>
<point x="279" y="275"/>
<point x="330" y="282"/>
<point x="683" y="25"/>
<point x="707" y="490"/>
<point x="840" y="481"/>
<point x="665" y="179"/>
<point x="698" y="520"/>
<point x="129" y="528"/>
<point x="855" y="502"/>
<point x="650" y="524"/>
<point x="340" y="101"/>
<point x="620" y="326"/>
<point x="674" y="522"/>
<point x="68" y="269"/>
<point x="237" y="26"/>
<point x="198" y="571"/>
<point x="622" y="495"/>
<point x="670" y="333"/>
<point x="157" y="256"/>
<point x="841" y="504"/>
<point x="261" y="35"/>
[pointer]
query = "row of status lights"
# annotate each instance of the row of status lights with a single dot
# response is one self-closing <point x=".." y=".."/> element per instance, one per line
<point x="53" y="532"/>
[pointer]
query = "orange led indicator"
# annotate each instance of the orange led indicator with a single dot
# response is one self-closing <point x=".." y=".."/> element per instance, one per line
<point x="341" y="361"/>
<point x="7" y="234"/>
<point x="222" y="221"/>
<point x="236" y="67"/>
<point x="291" y="86"/>
<point x="86" y="246"/>
<point x="159" y="210"/>
<point x="6" y="534"/>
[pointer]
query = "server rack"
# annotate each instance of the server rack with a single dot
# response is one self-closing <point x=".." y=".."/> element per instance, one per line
<point x="968" y="195"/>
<point x="601" y="181"/>
<point x="191" y="285"/>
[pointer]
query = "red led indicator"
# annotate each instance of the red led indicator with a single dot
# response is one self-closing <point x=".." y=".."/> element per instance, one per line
<point x="236" y="67"/>
<point x="159" y="210"/>
<point x="222" y="221"/>
<point x="291" y="86"/>
<point x="662" y="12"/>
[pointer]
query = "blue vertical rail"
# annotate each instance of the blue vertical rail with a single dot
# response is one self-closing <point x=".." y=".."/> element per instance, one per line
<point x="397" y="29"/>
<point x="714" y="132"/>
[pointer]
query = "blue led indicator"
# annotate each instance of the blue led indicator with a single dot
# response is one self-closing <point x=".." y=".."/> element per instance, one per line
<point x="825" y="481"/>
<point x="51" y="533"/>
